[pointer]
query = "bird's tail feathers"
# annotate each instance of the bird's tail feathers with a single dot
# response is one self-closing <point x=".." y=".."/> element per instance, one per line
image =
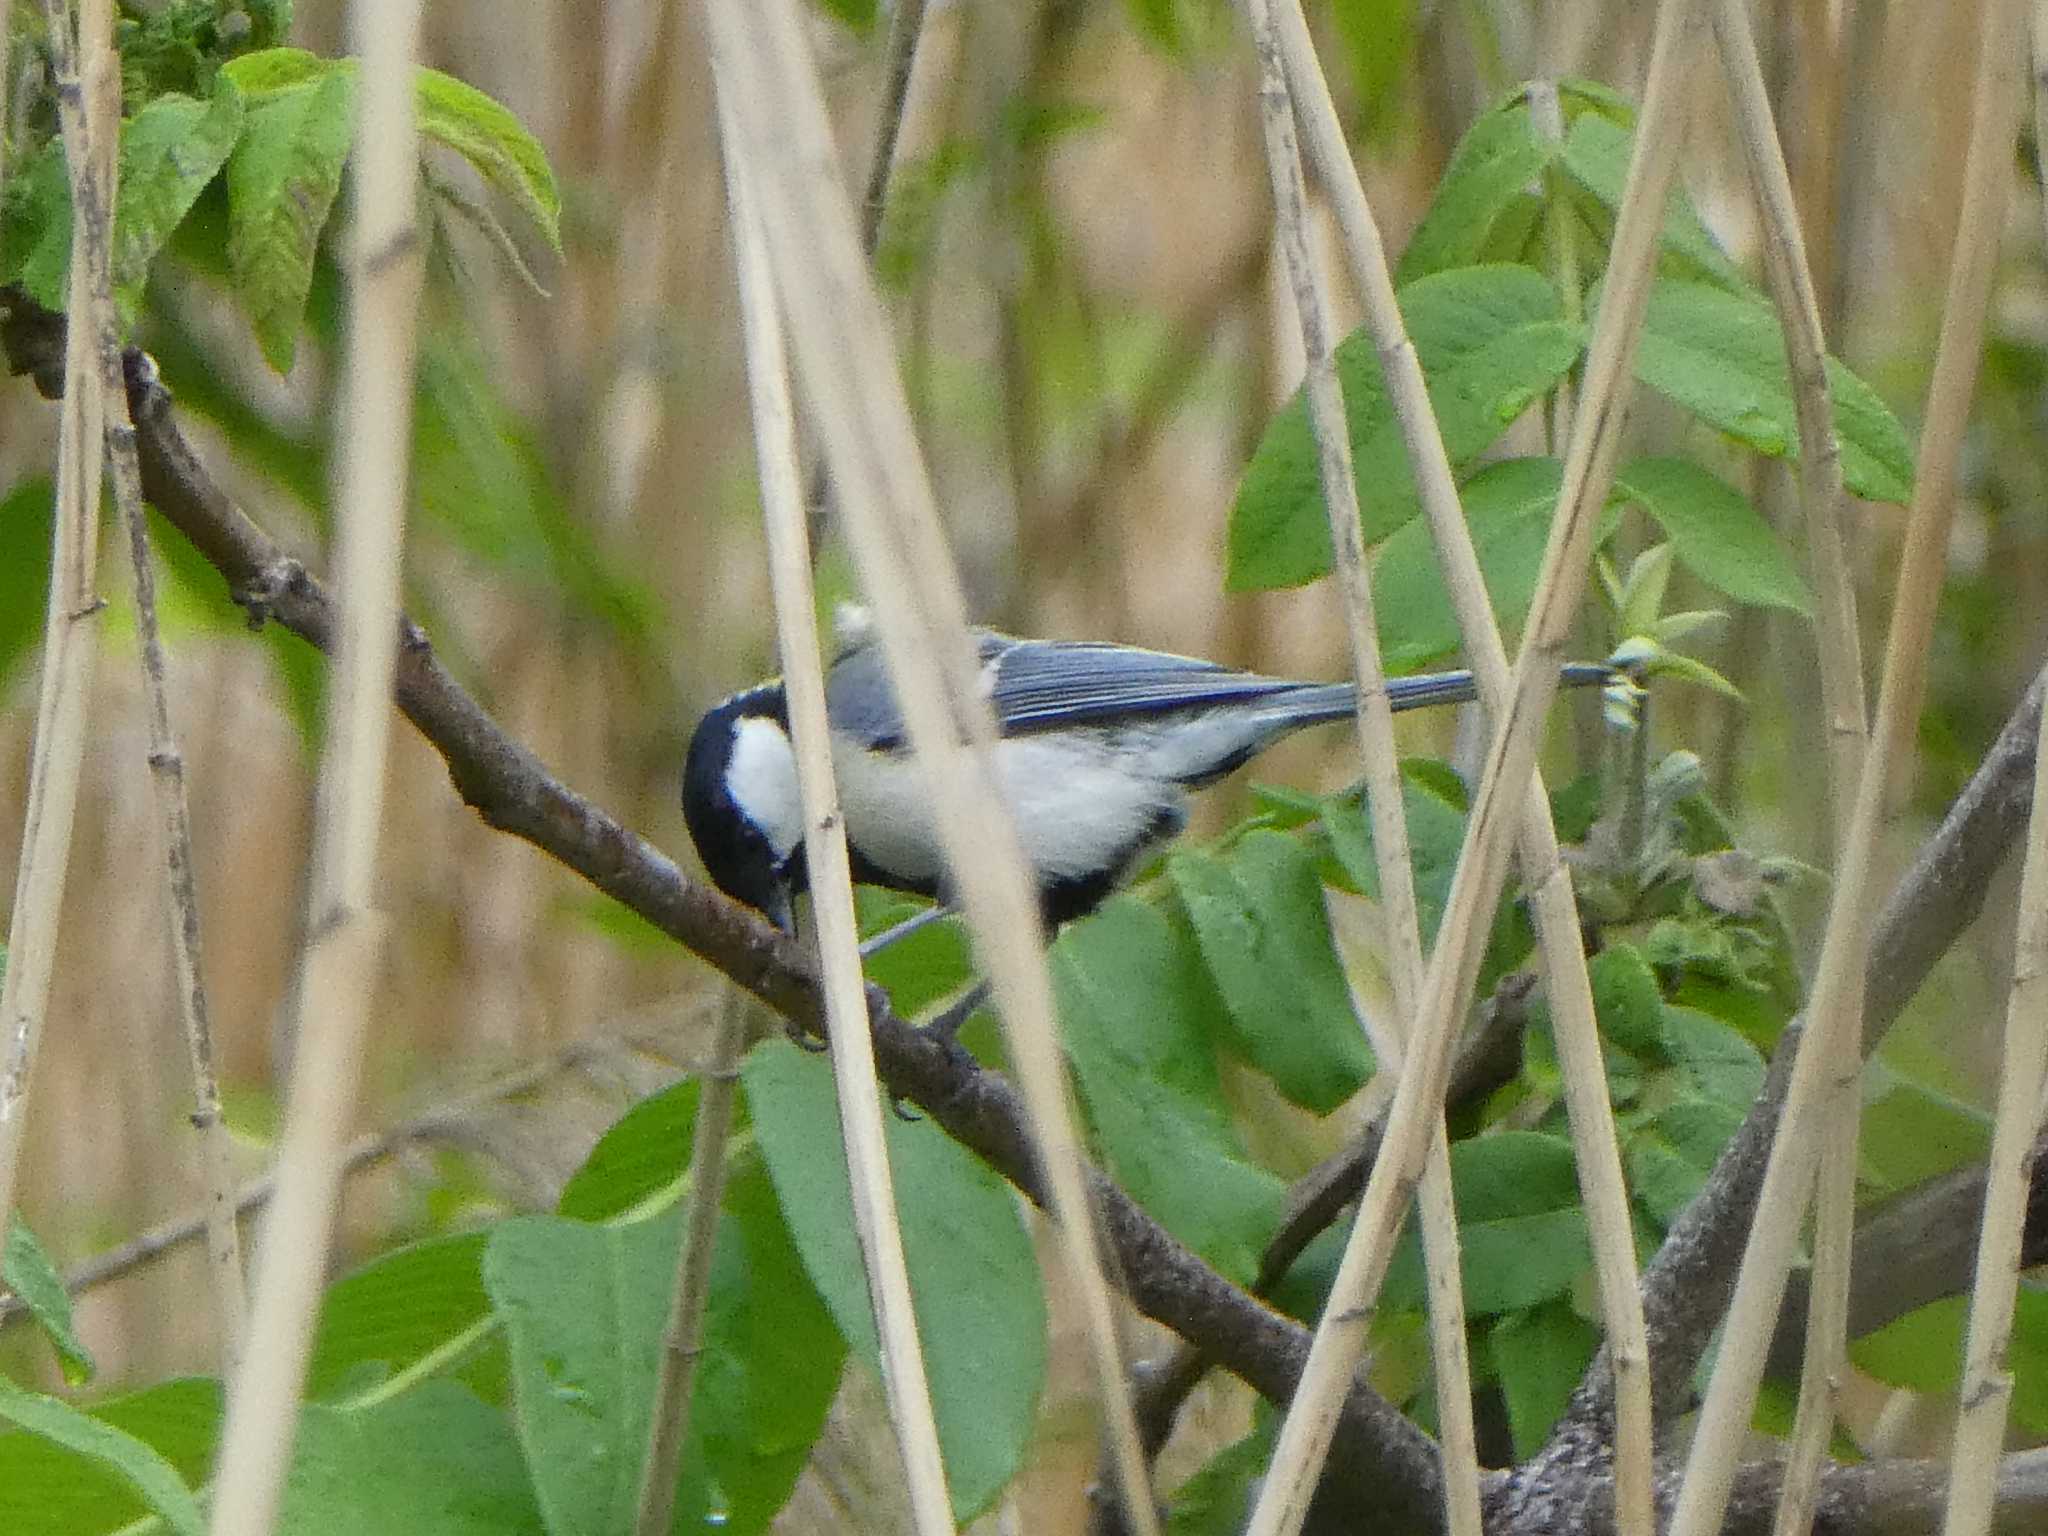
<point x="1320" y="702"/>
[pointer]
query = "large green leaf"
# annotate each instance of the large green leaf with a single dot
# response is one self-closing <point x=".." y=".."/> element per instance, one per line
<point x="1139" y="1017"/>
<point x="1487" y="182"/>
<point x="26" y="1270"/>
<point x="980" y="1312"/>
<point x="1520" y="1226"/>
<point x="584" y="1308"/>
<point x="170" y="150"/>
<point x="1923" y="1351"/>
<point x="49" y="1490"/>
<point x="1258" y="917"/>
<point x="643" y="1153"/>
<point x="423" y="1300"/>
<point x="1490" y="341"/>
<point x="1720" y="356"/>
<point x="1715" y="532"/>
<point x="148" y="1475"/>
<point x="1669" y="1158"/>
<point x="282" y="181"/>
<point x="431" y="1462"/>
<point x="1596" y="156"/>
<point x="1508" y="507"/>
<point x="1912" y="1133"/>
<point x="1539" y="1356"/>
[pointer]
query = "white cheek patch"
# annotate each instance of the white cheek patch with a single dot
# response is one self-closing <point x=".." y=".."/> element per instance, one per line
<point x="761" y="778"/>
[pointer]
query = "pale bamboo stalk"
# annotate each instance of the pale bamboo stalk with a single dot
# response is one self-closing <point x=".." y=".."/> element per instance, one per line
<point x="1817" y="1077"/>
<point x="841" y="345"/>
<point x="1847" y="723"/>
<point x="682" y="1338"/>
<point x="344" y="944"/>
<point x="1555" y="907"/>
<point x="853" y="1054"/>
<point x="88" y="85"/>
<point x="1374" y="720"/>
<point x="1986" y="1391"/>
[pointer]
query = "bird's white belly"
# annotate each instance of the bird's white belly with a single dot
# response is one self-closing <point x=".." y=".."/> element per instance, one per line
<point x="1074" y="807"/>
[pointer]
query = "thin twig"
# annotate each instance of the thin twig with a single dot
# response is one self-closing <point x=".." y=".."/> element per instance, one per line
<point x="906" y="25"/>
<point x="1847" y="725"/>
<point x="339" y="967"/>
<point x="181" y="896"/>
<point x="1553" y="901"/>
<point x="1374" y="719"/>
<point x="841" y="345"/>
<point x="875" y="1220"/>
<point x="88" y="85"/>
<point x="682" y="1339"/>
<point x="1816" y="1075"/>
<point x="438" y="1120"/>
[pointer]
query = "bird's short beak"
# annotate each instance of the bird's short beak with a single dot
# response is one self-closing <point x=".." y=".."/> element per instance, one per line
<point x="779" y="911"/>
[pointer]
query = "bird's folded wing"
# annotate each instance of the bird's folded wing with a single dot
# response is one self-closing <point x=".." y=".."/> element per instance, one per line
<point x="1042" y="684"/>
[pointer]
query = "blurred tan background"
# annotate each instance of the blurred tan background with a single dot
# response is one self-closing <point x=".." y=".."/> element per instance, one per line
<point x="1092" y="343"/>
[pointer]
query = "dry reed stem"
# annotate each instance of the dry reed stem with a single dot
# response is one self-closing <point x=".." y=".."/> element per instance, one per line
<point x="88" y="88"/>
<point x="1374" y="720"/>
<point x="842" y="348"/>
<point x="682" y="1337"/>
<point x="344" y="943"/>
<point x="1847" y="724"/>
<point x="853" y="1051"/>
<point x="1817" y="1075"/>
<point x="1986" y="1390"/>
<point x="1555" y="906"/>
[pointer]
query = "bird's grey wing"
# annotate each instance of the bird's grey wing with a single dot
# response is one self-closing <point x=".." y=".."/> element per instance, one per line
<point x="1038" y="685"/>
<point x="860" y="697"/>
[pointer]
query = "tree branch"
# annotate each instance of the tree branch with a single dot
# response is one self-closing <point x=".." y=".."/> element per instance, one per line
<point x="1383" y="1454"/>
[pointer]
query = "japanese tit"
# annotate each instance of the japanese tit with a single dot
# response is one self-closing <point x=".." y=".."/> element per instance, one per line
<point x="1098" y="746"/>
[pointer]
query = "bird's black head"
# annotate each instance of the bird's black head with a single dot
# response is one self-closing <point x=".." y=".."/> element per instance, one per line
<point x="741" y="803"/>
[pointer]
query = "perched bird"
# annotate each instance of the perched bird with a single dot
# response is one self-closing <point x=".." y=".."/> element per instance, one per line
<point x="1098" y="747"/>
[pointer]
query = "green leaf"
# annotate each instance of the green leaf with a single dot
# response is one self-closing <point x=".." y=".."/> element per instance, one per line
<point x="273" y="72"/>
<point x="1596" y="156"/>
<point x="35" y="232"/>
<point x="1540" y="1355"/>
<point x="1215" y="1500"/>
<point x="1713" y="1059"/>
<point x="282" y="181"/>
<point x="1490" y="173"/>
<point x="26" y="1270"/>
<point x="493" y="140"/>
<point x="1139" y="1016"/>
<point x="1259" y="919"/>
<point x="644" y="1153"/>
<point x="147" y="1474"/>
<point x="1508" y="507"/>
<point x="932" y="964"/>
<point x="584" y="1306"/>
<point x="1625" y="995"/>
<point x="396" y="1311"/>
<point x="1490" y="341"/>
<point x="1923" y="1351"/>
<point x="49" y="1490"/>
<point x="1669" y="1159"/>
<point x="431" y="1462"/>
<point x="170" y="150"/>
<point x="980" y="1310"/>
<point x="1714" y="530"/>
<point x="1720" y="356"/>
<point x="1520" y="1225"/>
<point x="1912" y="1133"/>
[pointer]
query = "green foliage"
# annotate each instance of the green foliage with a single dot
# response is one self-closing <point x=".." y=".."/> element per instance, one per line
<point x="583" y="1308"/>
<point x="980" y="1309"/>
<point x="26" y="1270"/>
<point x="1490" y="340"/>
<point x="148" y="1475"/>
<point x="1923" y="1352"/>
<point x="1257" y="915"/>
<point x="1140" y="1018"/>
<point x="179" y="47"/>
<point x="49" y="1487"/>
